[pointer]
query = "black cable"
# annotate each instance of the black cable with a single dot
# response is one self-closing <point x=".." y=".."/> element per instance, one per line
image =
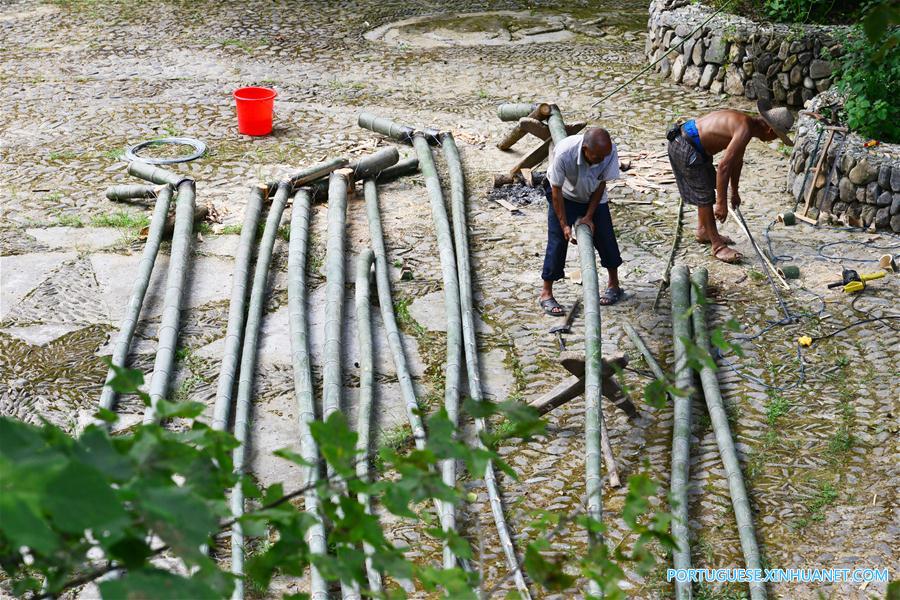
<point x="845" y="328"/>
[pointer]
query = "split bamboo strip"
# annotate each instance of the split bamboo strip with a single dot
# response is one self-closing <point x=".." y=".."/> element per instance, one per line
<point x="248" y="369"/>
<point x="681" y="430"/>
<point x="366" y="392"/>
<point x="138" y="291"/>
<point x="641" y="345"/>
<point x="676" y="236"/>
<point x="303" y="382"/>
<point x="592" y="384"/>
<point x="739" y="501"/>
<point x="236" y="309"/>
<point x="470" y="345"/>
<point x="454" y="324"/>
<point x="176" y="276"/>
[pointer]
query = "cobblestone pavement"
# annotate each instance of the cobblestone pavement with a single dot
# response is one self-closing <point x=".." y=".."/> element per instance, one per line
<point x="83" y="79"/>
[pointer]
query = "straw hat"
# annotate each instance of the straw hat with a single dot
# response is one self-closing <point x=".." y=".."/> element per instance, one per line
<point x="780" y="119"/>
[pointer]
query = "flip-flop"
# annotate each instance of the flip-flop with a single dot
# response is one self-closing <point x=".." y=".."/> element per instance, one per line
<point x="611" y="296"/>
<point x="727" y="255"/>
<point x="728" y="241"/>
<point x="552" y="307"/>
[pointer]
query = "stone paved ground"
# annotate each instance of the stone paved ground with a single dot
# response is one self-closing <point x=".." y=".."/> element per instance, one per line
<point x="83" y="79"/>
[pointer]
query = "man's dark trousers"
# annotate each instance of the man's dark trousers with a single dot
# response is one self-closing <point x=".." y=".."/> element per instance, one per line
<point x="604" y="237"/>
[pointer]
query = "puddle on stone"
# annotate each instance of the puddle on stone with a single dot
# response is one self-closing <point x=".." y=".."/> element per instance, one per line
<point x="492" y="28"/>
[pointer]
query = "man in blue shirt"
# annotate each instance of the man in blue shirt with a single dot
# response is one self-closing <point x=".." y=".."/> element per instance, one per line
<point x="576" y="191"/>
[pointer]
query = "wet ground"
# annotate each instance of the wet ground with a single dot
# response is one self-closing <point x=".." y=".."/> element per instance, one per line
<point x="83" y="79"/>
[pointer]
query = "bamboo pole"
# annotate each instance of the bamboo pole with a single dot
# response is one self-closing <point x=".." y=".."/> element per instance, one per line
<point x="392" y="333"/>
<point x="138" y="291"/>
<point x="154" y="174"/>
<point x="592" y="385"/>
<point x="454" y="324"/>
<point x="739" y="501"/>
<point x="366" y="392"/>
<point x="681" y="431"/>
<point x="513" y="111"/>
<point x="118" y="193"/>
<point x="641" y="345"/>
<point x="303" y="382"/>
<point x="540" y="113"/>
<point x="676" y="236"/>
<point x="318" y="171"/>
<point x="176" y="276"/>
<point x="557" y="125"/>
<point x="248" y="369"/>
<point x="407" y="166"/>
<point x="236" y="309"/>
<point x="391" y="129"/>
<point x="470" y="345"/>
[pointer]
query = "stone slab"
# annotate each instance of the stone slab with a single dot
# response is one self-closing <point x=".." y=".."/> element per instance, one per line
<point x="22" y="273"/>
<point x="428" y="311"/>
<point x="40" y="335"/>
<point x="77" y="238"/>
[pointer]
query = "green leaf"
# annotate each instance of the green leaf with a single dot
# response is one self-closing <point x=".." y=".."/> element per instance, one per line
<point x="154" y="584"/>
<point x="125" y="381"/>
<point x="106" y="415"/>
<point x="292" y="456"/>
<point x="337" y="443"/>
<point x="80" y="498"/>
<point x="132" y="552"/>
<point x="23" y="527"/>
<point x="180" y="518"/>
<point x="175" y="410"/>
<point x="549" y="574"/>
<point x="655" y="393"/>
<point x="19" y="440"/>
<point x="96" y="449"/>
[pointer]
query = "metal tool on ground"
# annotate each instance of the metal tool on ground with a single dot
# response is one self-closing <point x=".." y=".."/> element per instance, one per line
<point x="566" y="327"/>
<point x="853" y="282"/>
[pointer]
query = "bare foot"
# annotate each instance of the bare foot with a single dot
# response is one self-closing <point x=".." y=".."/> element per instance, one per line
<point x="705" y="239"/>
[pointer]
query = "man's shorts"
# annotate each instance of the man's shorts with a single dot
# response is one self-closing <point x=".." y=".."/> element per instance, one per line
<point x="694" y="173"/>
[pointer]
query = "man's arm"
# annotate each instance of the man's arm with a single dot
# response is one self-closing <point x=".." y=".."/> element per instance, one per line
<point x="593" y="203"/>
<point x="729" y="170"/>
<point x="559" y="208"/>
<point x="735" y="182"/>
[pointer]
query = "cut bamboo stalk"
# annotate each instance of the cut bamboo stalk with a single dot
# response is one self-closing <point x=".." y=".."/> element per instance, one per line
<point x="304" y="392"/>
<point x="592" y="385"/>
<point x="247" y="371"/>
<point x="401" y="133"/>
<point x="236" y="309"/>
<point x="454" y="324"/>
<point x="407" y="166"/>
<point x="719" y="418"/>
<point x="767" y="263"/>
<point x="154" y="174"/>
<point x="366" y="392"/>
<point x="119" y="193"/>
<point x="641" y="345"/>
<point x="176" y="276"/>
<point x="373" y="164"/>
<point x="139" y="290"/>
<point x="318" y="171"/>
<point x="540" y="113"/>
<point x="470" y="345"/>
<point x="556" y="125"/>
<point x="513" y="111"/>
<point x="681" y="432"/>
<point x="535" y="128"/>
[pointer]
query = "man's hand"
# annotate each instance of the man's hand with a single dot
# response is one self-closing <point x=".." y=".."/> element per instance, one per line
<point x="586" y="220"/>
<point x="568" y="233"/>
<point x="720" y="211"/>
<point x="735" y="199"/>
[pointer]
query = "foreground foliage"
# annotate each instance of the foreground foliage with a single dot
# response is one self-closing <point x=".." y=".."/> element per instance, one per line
<point x="138" y="511"/>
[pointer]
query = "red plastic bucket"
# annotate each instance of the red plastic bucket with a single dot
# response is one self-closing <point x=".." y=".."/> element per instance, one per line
<point x="254" y="110"/>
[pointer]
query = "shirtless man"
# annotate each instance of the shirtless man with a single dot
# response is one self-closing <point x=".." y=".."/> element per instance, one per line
<point x="691" y="148"/>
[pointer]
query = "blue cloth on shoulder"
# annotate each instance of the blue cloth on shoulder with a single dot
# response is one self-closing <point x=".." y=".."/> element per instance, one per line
<point x="690" y="128"/>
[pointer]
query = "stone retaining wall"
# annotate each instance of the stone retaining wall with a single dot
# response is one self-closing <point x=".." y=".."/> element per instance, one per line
<point x="735" y="56"/>
<point x="865" y="183"/>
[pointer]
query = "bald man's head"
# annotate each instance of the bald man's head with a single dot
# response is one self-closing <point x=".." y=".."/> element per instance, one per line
<point x="596" y="145"/>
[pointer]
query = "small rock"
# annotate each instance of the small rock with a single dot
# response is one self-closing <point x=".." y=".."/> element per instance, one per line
<point x="863" y="172"/>
<point x="823" y="84"/>
<point x="884" y="199"/>
<point x="808" y="83"/>
<point x="895" y="179"/>
<point x="716" y="87"/>
<point x="868" y="215"/>
<point x="804" y="57"/>
<point x="796" y="76"/>
<point x="691" y="76"/>
<point x="838" y="208"/>
<point x="895" y="205"/>
<point x="883" y="218"/>
<point x="789" y="63"/>
<point x="678" y="69"/>
<point x="697" y="54"/>
<point x="895" y="223"/>
<point x="819" y="69"/>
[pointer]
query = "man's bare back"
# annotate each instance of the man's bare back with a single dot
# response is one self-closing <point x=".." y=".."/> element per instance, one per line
<point x="718" y="129"/>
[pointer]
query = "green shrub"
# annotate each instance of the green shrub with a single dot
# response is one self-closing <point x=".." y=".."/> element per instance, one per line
<point x="870" y="78"/>
<point x="794" y="11"/>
